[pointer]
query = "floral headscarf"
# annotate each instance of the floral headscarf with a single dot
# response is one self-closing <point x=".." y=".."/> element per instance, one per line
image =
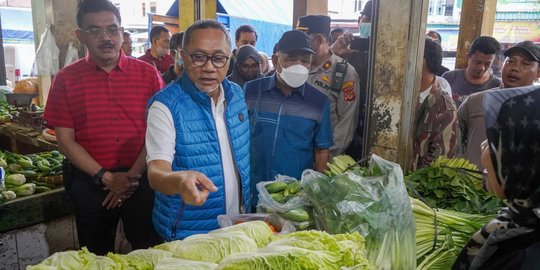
<point x="513" y="133"/>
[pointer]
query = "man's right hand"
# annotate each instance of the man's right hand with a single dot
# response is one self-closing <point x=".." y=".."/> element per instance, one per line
<point x="194" y="187"/>
<point x="119" y="183"/>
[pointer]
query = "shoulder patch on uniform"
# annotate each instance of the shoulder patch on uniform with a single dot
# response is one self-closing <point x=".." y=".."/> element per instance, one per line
<point x="327" y="65"/>
<point x="348" y="91"/>
<point x="325" y="78"/>
<point x="347" y="84"/>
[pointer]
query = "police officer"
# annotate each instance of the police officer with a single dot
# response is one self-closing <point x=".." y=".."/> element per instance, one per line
<point x="334" y="77"/>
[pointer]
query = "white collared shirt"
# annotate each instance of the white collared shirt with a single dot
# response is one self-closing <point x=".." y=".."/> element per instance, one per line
<point x="161" y="142"/>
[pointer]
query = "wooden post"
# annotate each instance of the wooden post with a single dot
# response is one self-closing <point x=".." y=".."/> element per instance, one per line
<point x="3" y="75"/>
<point x="186" y="14"/>
<point x="395" y="66"/>
<point x="477" y="19"/>
<point x="311" y="7"/>
<point x="209" y="9"/>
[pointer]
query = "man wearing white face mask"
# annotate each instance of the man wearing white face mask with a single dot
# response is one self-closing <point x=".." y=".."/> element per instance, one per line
<point x="290" y="120"/>
<point x="158" y="54"/>
<point x="336" y="78"/>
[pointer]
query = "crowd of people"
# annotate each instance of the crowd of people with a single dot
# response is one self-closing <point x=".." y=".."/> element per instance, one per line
<point x="171" y="140"/>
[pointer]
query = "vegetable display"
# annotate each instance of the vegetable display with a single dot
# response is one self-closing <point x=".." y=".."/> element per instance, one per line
<point x="441" y="234"/>
<point x="286" y="197"/>
<point x="309" y="250"/>
<point x="372" y="201"/>
<point x="26" y="175"/>
<point x="454" y="184"/>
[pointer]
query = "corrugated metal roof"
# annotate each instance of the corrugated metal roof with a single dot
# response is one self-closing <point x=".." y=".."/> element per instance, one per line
<point x="518" y="16"/>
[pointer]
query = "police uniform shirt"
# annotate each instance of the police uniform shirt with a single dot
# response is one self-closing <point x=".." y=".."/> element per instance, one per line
<point x="344" y="102"/>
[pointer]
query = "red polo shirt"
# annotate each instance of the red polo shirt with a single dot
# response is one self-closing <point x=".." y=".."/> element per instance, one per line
<point x="162" y="64"/>
<point x="106" y="110"/>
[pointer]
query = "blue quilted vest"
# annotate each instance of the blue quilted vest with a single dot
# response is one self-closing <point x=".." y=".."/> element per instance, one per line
<point x="197" y="148"/>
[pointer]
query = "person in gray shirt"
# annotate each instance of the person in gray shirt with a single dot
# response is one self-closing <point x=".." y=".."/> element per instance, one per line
<point x="521" y="68"/>
<point x="476" y="77"/>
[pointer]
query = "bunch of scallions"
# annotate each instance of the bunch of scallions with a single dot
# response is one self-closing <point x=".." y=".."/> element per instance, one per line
<point x="441" y="234"/>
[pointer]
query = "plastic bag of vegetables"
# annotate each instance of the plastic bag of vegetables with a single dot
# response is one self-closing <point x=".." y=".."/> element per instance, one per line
<point x="286" y="198"/>
<point x="375" y="204"/>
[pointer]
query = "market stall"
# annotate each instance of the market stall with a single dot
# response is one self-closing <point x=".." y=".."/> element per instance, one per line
<point x="35" y="213"/>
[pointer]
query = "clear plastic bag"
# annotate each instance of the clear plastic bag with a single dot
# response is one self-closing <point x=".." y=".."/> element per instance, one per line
<point x="281" y="225"/>
<point x="376" y="206"/>
<point x="47" y="54"/>
<point x="72" y="54"/>
<point x="269" y="205"/>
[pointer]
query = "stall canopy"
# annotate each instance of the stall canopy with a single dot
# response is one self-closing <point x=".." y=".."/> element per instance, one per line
<point x="270" y="20"/>
<point x="17" y="25"/>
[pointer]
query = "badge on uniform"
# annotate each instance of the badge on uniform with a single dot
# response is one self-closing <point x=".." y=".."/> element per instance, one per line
<point x="325" y="78"/>
<point x="327" y="65"/>
<point x="348" y="91"/>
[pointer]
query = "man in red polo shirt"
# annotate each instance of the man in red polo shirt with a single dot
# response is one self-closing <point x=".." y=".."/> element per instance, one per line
<point x="158" y="54"/>
<point x="97" y="106"/>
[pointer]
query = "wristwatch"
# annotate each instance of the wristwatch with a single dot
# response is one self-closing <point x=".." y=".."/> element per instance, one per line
<point x="97" y="177"/>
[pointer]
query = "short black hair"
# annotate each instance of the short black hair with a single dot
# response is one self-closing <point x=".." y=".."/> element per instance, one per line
<point x="339" y="29"/>
<point x="246" y="28"/>
<point x="93" y="6"/>
<point x="176" y="40"/>
<point x="204" y="24"/>
<point x="433" y="55"/>
<point x="485" y="45"/>
<point x="127" y="34"/>
<point x="156" y="31"/>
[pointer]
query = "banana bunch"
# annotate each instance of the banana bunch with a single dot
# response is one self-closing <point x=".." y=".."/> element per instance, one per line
<point x="339" y="165"/>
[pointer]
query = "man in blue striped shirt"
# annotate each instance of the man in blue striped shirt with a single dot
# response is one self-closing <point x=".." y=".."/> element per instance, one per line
<point x="290" y="120"/>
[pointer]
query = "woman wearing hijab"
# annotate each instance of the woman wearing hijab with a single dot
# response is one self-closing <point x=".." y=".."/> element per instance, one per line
<point x="247" y="66"/>
<point x="511" y="156"/>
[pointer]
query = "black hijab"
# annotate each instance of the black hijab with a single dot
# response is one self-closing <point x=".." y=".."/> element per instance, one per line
<point x="513" y="133"/>
<point x="244" y="53"/>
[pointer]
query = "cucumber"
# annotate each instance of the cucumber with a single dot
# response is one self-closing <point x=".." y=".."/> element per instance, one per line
<point x="278" y="197"/>
<point x="41" y="189"/>
<point x="297" y="215"/>
<point x="276" y="187"/>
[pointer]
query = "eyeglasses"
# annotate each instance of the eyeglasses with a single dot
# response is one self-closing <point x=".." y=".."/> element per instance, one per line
<point x="248" y="67"/>
<point x="199" y="59"/>
<point x="97" y="32"/>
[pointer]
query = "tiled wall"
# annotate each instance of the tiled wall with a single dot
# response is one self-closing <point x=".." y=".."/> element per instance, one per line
<point x="30" y="245"/>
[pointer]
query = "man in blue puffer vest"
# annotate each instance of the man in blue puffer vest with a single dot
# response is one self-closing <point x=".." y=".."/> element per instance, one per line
<point x="198" y="139"/>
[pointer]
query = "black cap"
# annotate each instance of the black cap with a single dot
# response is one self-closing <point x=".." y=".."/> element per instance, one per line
<point x="313" y="24"/>
<point x="367" y="9"/>
<point x="294" y="40"/>
<point x="528" y="47"/>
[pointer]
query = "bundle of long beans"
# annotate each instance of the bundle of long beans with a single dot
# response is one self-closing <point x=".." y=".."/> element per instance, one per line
<point x="441" y="234"/>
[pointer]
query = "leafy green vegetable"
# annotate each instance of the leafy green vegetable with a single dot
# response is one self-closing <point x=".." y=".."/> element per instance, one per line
<point x="179" y="264"/>
<point x="214" y="247"/>
<point x="74" y="260"/>
<point x="350" y="246"/>
<point x="257" y="230"/>
<point x="372" y="201"/>
<point x="282" y="257"/>
<point x="454" y="184"/>
<point x="439" y="240"/>
<point x="169" y="246"/>
<point x="140" y="259"/>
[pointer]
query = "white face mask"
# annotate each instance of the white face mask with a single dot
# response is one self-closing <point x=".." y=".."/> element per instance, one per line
<point x="364" y="29"/>
<point x="295" y="75"/>
<point x="161" y="51"/>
